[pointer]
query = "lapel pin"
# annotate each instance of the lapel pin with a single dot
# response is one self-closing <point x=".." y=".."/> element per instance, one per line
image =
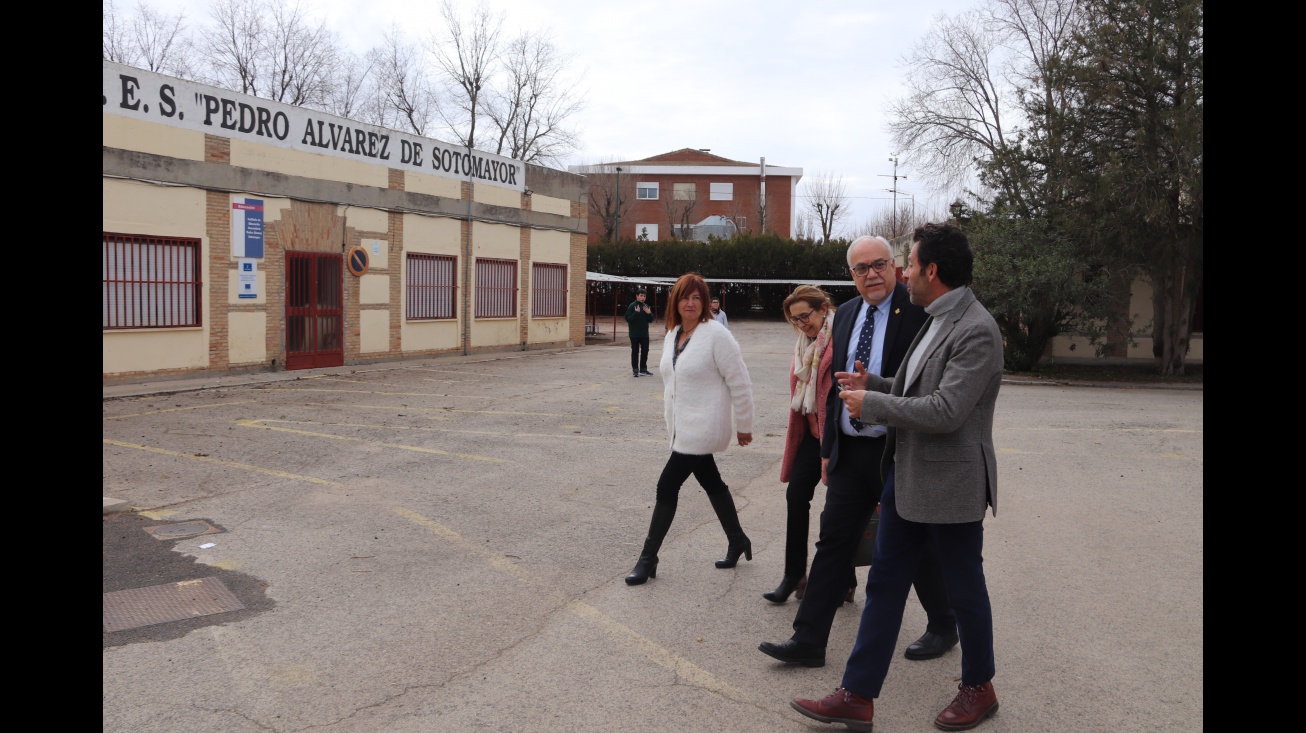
<point x="896" y="311"/>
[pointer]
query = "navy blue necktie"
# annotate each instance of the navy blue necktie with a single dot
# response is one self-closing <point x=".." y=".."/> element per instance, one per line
<point x="864" y="353"/>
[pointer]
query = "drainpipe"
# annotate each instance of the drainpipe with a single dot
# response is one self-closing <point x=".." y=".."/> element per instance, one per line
<point x="762" y="208"/>
<point x="467" y="263"/>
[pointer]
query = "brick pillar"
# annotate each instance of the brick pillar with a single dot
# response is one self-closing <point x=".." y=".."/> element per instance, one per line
<point x="524" y="260"/>
<point x="218" y="229"/>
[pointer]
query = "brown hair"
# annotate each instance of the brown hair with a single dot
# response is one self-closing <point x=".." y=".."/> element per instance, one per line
<point x="809" y="294"/>
<point x="688" y="284"/>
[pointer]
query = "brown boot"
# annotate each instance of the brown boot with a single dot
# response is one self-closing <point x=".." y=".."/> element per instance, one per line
<point x="969" y="708"/>
<point x="840" y="706"/>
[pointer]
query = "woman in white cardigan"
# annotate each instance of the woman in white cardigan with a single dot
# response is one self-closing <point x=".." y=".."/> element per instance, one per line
<point x="707" y="397"/>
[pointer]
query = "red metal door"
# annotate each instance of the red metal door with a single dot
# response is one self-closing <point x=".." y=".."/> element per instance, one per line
<point x="314" y="316"/>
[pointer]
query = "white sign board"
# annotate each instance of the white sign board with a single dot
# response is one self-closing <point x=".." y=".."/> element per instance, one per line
<point x="247" y="282"/>
<point x="167" y="100"/>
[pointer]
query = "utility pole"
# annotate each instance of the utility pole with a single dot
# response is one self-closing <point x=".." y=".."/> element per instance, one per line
<point x="894" y="190"/>
<point x="616" y="229"/>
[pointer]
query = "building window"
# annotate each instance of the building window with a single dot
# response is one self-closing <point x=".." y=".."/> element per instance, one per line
<point x="432" y="286"/>
<point x="646" y="232"/>
<point x="548" y="290"/>
<point x="151" y="282"/>
<point x="721" y="192"/>
<point x="496" y="288"/>
<point x="646" y="191"/>
<point x="684" y="191"/>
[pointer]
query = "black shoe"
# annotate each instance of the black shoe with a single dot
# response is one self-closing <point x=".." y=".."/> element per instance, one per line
<point x="782" y="591"/>
<point x="795" y="652"/>
<point x="739" y="545"/>
<point x="930" y="646"/>
<point x="645" y="373"/>
<point x="634" y="374"/>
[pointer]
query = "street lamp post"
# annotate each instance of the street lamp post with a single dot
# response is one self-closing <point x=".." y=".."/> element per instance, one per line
<point x="616" y="229"/>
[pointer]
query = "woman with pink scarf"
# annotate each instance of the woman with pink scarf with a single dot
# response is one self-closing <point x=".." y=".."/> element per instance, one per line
<point x="809" y="309"/>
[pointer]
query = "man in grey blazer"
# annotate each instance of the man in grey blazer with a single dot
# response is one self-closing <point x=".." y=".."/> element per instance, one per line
<point x="940" y="478"/>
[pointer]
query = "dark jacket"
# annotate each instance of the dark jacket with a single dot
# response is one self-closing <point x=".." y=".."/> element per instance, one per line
<point x="638" y="320"/>
<point x="905" y="320"/>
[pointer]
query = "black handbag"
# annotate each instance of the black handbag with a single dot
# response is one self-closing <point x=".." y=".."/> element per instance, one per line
<point x="866" y="548"/>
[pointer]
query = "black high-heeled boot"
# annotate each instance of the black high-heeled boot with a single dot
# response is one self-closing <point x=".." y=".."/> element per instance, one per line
<point x="782" y="592"/>
<point x="647" y="565"/>
<point x="724" y="505"/>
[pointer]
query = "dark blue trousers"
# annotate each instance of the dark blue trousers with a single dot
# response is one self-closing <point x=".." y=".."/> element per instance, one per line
<point x="898" y="548"/>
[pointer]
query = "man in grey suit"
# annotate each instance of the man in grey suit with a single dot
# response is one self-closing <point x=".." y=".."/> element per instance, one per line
<point x="940" y="477"/>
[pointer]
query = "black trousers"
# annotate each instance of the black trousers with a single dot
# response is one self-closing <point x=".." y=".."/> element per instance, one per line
<point x="678" y="469"/>
<point x="804" y="475"/>
<point x="854" y="490"/>
<point x="639" y="353"/>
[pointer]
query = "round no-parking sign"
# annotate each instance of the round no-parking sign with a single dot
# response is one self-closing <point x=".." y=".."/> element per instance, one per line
<point x="357" y="261"/>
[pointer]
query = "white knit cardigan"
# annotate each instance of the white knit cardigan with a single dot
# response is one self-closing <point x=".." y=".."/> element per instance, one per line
<point x="708" y="386"/>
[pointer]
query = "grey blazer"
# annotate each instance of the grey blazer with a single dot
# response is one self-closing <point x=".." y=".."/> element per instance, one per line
<point x="941" y="423"/>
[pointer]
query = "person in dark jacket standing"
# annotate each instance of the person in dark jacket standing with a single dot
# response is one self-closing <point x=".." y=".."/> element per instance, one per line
<point x="638" y="316"/>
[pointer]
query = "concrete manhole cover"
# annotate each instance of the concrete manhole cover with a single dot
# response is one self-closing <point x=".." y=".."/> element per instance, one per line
<point x="179" y="530"/>
<point x="157" y="604"/>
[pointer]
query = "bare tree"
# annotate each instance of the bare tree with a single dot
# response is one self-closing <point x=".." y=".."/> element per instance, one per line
<point x="611" y="196"/>
<point x="405" y="97"/>
<point x="300" y="56"/>
<point x="805" y="228"/>
<point x="827" y="197"/>
<point x="231" y="46"/>
<point x="465" y="53"/>
<point x="532" y="105"/>
<point x="149" y="39"/>
<point x="117" y="48"/>
<point x="679" y="207"/>
<point x="353" y="83"/>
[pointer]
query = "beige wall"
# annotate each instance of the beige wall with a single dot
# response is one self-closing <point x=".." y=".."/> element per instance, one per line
<point x="550" y="246"/>
<point x="367" y="220"/>
<point x="155" y="350"/>
<point x="374" y="331"/>
<point x="429" y="335"/>
<point x="430" y="235"/>
<point x="1071" y="347"/>
<point x="497" y="196"/>
<point x="550" y="205"/>
<point x="373" y="289"/>
<point x="495" y="240"/>
<point x="547" y="330"/>
<point x="495" y="332"/>
<point x="432" y="185"/>
<point x="247" y="337"/>
<point x="140" y="208"/>
<point x="143" y="137"/>
<point x="310" y="165"/>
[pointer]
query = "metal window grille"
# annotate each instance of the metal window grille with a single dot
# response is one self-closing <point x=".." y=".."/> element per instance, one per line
<point x="548" y="290"/>
<point x="432" y="286"/>
<point x="496" y="288"/>
<point x="151" y="282"/>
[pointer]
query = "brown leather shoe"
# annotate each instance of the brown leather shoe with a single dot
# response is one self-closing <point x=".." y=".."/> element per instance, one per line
<point x="840" y="706"/>
<point x="969" y="708"/>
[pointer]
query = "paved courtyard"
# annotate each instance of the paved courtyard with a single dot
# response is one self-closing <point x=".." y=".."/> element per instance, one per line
<point x="440" y="545"/>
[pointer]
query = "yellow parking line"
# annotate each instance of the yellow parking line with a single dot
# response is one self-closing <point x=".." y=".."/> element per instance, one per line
<point x="554" y="414"/>
<point x="419" y="449"/>
<point x="569" y="436"/>
<point x="175" y="409"/>
<point x="369" y="407"/>
<point x="685" y="669"/>
<point x="229" y="464"/>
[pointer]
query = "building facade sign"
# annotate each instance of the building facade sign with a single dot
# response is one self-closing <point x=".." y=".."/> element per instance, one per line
<point x="145" y="95"/>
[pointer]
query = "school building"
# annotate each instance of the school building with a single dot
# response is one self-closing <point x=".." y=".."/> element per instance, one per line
<point x="242" y="234"/>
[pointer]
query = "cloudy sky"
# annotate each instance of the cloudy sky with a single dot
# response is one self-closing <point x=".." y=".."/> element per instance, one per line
<point x="801" y="83"/>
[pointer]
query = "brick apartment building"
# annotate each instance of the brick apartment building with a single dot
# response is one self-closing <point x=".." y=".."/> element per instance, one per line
<point x="669" y="195"/>
<point x="242" y="234"/>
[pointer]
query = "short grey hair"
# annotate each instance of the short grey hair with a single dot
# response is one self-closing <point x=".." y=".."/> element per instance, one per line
<point x="868" y="238"/>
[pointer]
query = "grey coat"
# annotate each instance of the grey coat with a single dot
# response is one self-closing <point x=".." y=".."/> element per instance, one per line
<point x="941" y="424"/>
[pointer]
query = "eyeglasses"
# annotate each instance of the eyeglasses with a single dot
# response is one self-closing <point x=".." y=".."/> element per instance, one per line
<point x="861" y="268"/>
<point x="801" y="318"/>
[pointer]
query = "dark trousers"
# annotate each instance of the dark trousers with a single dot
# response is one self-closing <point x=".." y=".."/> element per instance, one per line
<point x="804" y="475"/>
<point x="678" y="469"/>
<point x="899" y="546"/>
<point x="639" y="353"/>
<point x="854" y="490"/>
